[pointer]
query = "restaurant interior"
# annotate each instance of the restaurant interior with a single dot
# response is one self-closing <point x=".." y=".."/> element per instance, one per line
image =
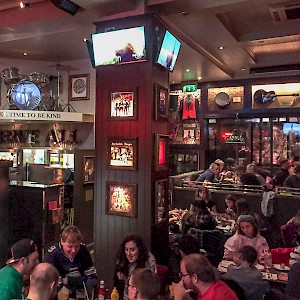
<point x="112" y="141"/>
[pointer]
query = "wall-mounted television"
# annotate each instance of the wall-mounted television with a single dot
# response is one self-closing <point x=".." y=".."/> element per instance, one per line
<point x="169" y="51"/>
<point x="90" y="48"/>
<point x="289" y="127"/>
<point x="119" y="46"/>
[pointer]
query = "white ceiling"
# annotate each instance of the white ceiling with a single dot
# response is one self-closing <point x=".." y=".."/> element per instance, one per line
<point x="246" y="29"/>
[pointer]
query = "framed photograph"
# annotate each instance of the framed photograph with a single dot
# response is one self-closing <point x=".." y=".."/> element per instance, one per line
<point x="161" y="152"/>
<point x="79" y="87"/>
<point x="88" y="169"/>
<point x="121" y="199"/>
<point x="161" y="102"/>
<point x="122" y="153"/>
<point x="161" y="199"/>
<point x="123" y="105"/>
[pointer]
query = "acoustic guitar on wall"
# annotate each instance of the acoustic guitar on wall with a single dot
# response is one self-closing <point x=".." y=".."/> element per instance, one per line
<point x="261" y="96"/>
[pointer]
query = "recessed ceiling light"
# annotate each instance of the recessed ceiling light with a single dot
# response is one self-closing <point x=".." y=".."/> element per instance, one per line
<point x="199" y="78"/>
<point x="221" y="47"/>
<point x="243" y="69"/>
<point x="25" y="54"/>
<point x="187" y="70"/>
<point x="84" y="39"/>
<point x="173" y="81"/>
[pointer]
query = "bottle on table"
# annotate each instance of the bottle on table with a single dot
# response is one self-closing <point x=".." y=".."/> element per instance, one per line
<point x="267" y="259"/>
<point x="102" y="291"/>
<point x="114" y="294"/>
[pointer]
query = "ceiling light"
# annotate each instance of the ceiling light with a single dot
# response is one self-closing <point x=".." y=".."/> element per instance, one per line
<point x="199" y="78"/>
<point x="243" y="69"/>
<point x="221" y="48"/>
<point x="25" y="54"/>
<point x="84" y="39"/>
<point x="187" y="70"/>
<point x="24" y="4"/>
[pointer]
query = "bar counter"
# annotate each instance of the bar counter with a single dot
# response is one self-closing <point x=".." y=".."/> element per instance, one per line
<point x="34" y="211"/>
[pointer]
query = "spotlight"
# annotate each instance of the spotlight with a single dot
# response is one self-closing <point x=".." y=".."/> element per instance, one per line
<point x="24" y="4"/>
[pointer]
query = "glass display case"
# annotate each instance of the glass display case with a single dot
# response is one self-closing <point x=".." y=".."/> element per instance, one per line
<point x="262" y="140"/>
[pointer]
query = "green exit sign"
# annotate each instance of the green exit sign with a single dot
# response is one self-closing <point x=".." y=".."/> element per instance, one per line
<point x="189" y="88"/>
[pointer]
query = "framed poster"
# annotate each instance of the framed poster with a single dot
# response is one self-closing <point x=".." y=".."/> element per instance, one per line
<point x="88" y="169"/>
<point x="161" y="102"/>
<point x="121" y="199"/>
<point x="122" y="153"/>
<point x="123" y="105"/>
<point x="79" y="87"/>
<point x="161" y="152"/>
<point x="161" y="199"/>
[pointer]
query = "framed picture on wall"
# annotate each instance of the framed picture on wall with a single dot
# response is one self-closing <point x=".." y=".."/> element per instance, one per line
<point x="121" y="199"/>
<point x="161" y="199"/>
<point x="88" y="169"/>
<point x="123" y="105"/>
<point x="79" y="87"/>
<point x="122" y="153"/>
<point x="161" y="152"/>
<point x="161" y="102"/>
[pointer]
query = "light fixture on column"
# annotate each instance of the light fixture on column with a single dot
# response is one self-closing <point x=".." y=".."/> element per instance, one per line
<point x="24" y="4"/>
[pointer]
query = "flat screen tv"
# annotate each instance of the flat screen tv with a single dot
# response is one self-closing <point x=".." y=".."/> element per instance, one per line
<point x="289" y="127"/>
<point x="169" y="51"/>
<point x="89" y="46"/>
<point x="119" y="46"/>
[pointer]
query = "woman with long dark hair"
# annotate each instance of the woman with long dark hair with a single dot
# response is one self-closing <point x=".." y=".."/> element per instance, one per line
<point x="132" y="254"/>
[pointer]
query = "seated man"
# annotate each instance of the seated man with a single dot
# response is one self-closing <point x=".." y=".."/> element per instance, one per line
<point x="43" y="282"/>
<point x="211" y="174"/>
<point x="24" y="258"/>
<point x="69" y="254"/>
<point x="143" y="284"/>
<point x="246" y="275"/>
<point x="198" y="275"/>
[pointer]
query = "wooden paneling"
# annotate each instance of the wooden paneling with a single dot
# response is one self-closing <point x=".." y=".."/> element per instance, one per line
<point x="110" y="230"/>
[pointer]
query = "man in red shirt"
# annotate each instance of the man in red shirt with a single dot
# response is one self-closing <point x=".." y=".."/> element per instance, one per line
<point x="198" y="275"/>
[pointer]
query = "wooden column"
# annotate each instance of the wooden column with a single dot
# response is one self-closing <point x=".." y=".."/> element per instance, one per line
<point x="110" y="230"/>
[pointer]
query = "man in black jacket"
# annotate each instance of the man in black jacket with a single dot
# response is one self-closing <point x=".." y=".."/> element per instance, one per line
<point x="69" y="254"/>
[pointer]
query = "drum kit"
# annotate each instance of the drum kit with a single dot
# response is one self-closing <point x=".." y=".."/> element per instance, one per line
<point x="33" y="91"/>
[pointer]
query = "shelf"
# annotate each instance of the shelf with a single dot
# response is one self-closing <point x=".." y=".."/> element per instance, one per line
<point x="37" y="116"/>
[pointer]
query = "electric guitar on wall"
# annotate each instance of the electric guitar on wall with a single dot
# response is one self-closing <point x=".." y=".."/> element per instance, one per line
<point x="261" y="96"/>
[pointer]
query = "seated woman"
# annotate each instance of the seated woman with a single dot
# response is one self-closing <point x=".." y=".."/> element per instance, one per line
<point x="132" y="254"/>
<point x="291" y="232"/>
<point x="247" y="234"/>
<point x="198" y="217"/>
<point x="231" y="209"/>
<point x="204" y="193"/>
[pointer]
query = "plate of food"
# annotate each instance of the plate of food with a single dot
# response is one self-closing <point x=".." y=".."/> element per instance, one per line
<point x="281" y="267"/>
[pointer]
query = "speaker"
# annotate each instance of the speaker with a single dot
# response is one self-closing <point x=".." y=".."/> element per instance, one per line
<point x="66" y="5"/>
<point x="173" y="102"/>
<point x="90" y="48"/>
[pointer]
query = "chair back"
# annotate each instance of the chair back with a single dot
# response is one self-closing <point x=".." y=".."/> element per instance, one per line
<point x="212" y="241"/>
<point x="281" y="255"/>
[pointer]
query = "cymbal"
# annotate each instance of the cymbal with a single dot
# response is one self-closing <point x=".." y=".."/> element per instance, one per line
<point x="60" y="67"/>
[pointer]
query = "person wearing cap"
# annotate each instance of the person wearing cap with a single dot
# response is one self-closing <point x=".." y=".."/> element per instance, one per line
<point x="69" y="254"/>
<point x="24" y="258"/>
<point x="247" y="234"/>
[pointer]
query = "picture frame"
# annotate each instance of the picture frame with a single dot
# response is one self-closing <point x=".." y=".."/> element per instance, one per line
<point x="121" y="199"/>
<point x="123" y="105"/>
<point x="161" y="102"/>
<point x="88" y="169"/>
<point x="161" y="199"/>
<point x="161" y="152"/>
<point x="79" y="87"/>
<point x="122" y="153"/>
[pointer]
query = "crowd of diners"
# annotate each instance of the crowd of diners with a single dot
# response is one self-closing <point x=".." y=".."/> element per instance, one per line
<point x="191" y="272"/>
<point x="246" y="246"/>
